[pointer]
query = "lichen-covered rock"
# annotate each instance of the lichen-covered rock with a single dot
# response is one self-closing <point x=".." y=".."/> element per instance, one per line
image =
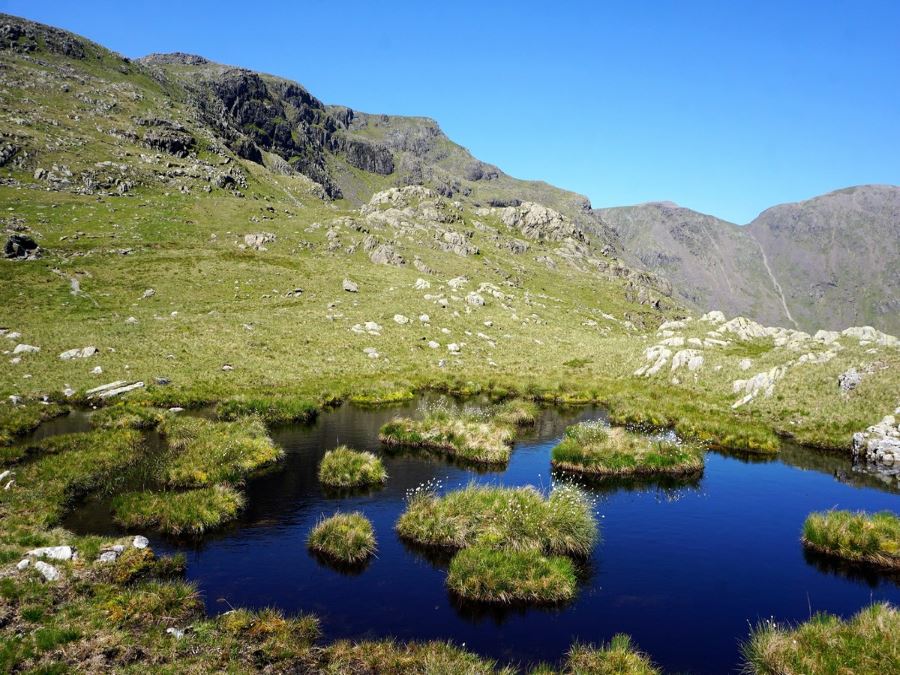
<point x="536" y="221"/>
<point x="880" y="443"/>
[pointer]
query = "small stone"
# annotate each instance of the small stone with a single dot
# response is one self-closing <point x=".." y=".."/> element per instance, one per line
<point x="149" y="293"/>
<point x="140" y="541"/>
<point x="400" y="319"/>
<point x="177" y="633"/>
<point x="131" y="320"/>
<point x="96" y="370"/>
<point x="453" y="347"/>
<point x="49" y="572"/>
<point x="108" y="556"/>
<point x="227" y="367"/>
<point x="433" y="345"/>
<point x="53" y="552"/>
<point x="23" y="564"/>
<point x="350" y="286"/>
<point x="26" y="349"/>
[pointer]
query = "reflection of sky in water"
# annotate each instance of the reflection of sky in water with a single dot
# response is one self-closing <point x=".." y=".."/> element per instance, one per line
<point x="683" y="566"/>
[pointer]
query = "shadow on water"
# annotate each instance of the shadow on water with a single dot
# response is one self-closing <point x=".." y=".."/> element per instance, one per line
<point x="340" y="566"/>
<point x="858" y="572"/>
<point x="717" y="550"/>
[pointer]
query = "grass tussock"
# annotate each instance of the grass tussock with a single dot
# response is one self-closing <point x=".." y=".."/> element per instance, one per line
<point x="345" y="468"/>
<point x="126" y="415"/>
<point x="276" y="636"/>
<point x="190" y="512"/>
<point x="270" y="409"/>
<point x="387" y="656"/>
<point x="485" y="574"/>
<point x="617" y="657"/>
<point x="471" y="434"/>
<point x="866" y="643"/>
<point x="371" y="399"/>
<point x="344" y="537"/>
<point x="206" y="453"/>
<point x="871" y="539"/>
<point x="593" y="449"/>
<point x="513" y="518"/>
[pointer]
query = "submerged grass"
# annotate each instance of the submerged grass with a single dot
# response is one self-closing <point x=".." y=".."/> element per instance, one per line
<point x="513" y="518"/>
<point x="866" y="643"/>
<point x="871" y="539"/>
<point x="190" y="512"/>
<point x="591" y="448"/>
<point x="343" y="467"/>
<point x="344" y="537"/>
<point x="205" y="452"/>
<point x="485" y="574"/>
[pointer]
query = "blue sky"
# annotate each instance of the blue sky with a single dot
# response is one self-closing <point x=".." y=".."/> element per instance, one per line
<point x="727" y="107"/>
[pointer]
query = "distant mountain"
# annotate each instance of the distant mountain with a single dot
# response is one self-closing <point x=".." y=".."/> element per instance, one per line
<point x="826" y="262"/>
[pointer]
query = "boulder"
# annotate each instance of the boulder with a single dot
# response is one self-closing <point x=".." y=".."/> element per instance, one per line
<point x="880" y="443"/>
<point x="21" y="247"/>
<point x="26" y="349"/>
<point x="849" y="380"/>
<point x="401" y="319"/>
<point x="349" y="286"/>
<point x="52" y="552"/>
<point x="384" y="254"/>
<point x="48" y="571"/>
<point x="82" y="353"/>
<point x="258" y="240"/>
<point x="140" y="541"/>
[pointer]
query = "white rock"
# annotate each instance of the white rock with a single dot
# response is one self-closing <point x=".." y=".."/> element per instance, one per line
<point x="453" y="347"/>
<point x="424" y="318"/>
<point x="26" y="349"/>
<point x="131" y="320"/>
<point x="433" y="345"/>
<point x="457" y="282"/>
<point x="149" y="293"/>
<point x="96" y="370"/>
<point x="350" y="286"/>
<point x="49" y="572"/>
<point x="400" y="319"/>
<point x="23" y="564"/>
<point x="177" y="633"/>
<point x="135" y="385"/>
<point x="421" y="284"/>
<point x="713" y="317"/>
<point x="52" y="552"/>
<point x="140" y="541"/>
<point x="108" y="556"/>
<point x="687" y="357"/>
<point x="76" y="353"/>
<point x="673" y="342"/>
<point x="475" y="300"/>
<point x="745" y="364"/>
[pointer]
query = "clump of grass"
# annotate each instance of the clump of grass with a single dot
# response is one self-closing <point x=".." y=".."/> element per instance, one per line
<point x="125" y="415"/>
<point x="517" y="413"/>
<point x="593" y="449"/>
<point x="206" y="452"/>
<point x="858" y="537"/>
<point x="16" y="420"/>
<point x="380" y="398"/>
<point x="618" y="657"/>
<point x="492" y="575"/>
<point x="387" y="656"/>
<point x="191" y="512"/>
<point x="866" y="643"/>
<point x="270" y="409"/>
<point x="728" y="433"/>
<point x="514" y="518"/>
<point x="344" y="468"/>
<point x="344" y="537"/>
<point x="469" y="434"/>
<point x="278" y="637"/>
<point x="166" y="603"/>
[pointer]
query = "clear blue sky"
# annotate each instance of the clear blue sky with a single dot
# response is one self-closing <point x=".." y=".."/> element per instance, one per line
<point x="726" y="106"/>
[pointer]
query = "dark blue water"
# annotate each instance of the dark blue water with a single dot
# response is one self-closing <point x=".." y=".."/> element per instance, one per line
<point x="685" y="569"/>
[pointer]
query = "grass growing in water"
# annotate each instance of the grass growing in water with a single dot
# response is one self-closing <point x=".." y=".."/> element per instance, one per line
<point x="206" y="453"/>
<point x="190" y="512"/>
<point x="618" y="657"/>
<point x="593" y="449"/>
<point x="502" y="575"/>
<point x="514" y="518"/>
<point x="470" y="434"/>
<point x="866" y="643"/>
<point x="125" y="415"/>
<point x="343" y="467"/>
<point x="858" y="537"/>
<point x="270" y="409"/>
<point x="345" y="537"/>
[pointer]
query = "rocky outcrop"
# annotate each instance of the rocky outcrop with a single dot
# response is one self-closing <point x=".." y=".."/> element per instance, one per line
<point x="370" y="157"/>
<point x="167" y="136"/>
<point x="26" y="37"/>
<point x="880" y="443"/>
<point x="540" y="223"/>
<point x="21" y="247"/>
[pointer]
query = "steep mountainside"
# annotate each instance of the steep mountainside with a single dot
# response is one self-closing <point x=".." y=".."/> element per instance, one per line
<point x="823" y="263"/>
<point x="710" y="262"/>
<point x="837" y="256"/>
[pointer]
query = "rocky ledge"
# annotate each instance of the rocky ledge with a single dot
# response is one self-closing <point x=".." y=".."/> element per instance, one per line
<point x="880" y="443"/>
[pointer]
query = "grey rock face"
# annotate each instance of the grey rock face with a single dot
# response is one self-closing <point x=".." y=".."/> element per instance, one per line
<point x="849" y="380"/>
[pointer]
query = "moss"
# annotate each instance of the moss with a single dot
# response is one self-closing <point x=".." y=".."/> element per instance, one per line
<point x="344" y="468"/>
<point x="866" y="643"/>
<point x="190" y="512"/>
<point x="515" y="518"/>
<point x="508" y="576"/>
<point x="858" y="537"/>
<point x="206" y="453"/>
<point x="596" y="450"/>
<point x="344" y="537"/>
